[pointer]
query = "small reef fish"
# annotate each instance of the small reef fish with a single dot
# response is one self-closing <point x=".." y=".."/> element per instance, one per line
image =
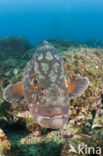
<point x="46" y="88"/>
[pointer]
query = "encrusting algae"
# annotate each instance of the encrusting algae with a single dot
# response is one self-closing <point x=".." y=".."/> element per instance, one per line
<point x="5" y="145"/>
<point x="85" y="123"/>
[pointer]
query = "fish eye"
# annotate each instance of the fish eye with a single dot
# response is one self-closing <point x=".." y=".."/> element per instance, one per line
<point x="35" y="82"/>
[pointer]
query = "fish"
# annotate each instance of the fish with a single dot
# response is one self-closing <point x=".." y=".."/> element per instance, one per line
<point x="46" y="88"/>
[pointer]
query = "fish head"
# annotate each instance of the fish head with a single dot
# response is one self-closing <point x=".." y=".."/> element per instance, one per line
<point x="44" y="87"/>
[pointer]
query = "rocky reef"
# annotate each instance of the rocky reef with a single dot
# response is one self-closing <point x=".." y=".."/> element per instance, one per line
<point x="5" y="145"/>
<point x="85" y="123"/>
<point x="95" y="44"/>
<point x="63" y="44"/>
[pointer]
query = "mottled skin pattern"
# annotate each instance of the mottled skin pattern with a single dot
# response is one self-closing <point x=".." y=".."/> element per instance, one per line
<point x="48" y="103"/>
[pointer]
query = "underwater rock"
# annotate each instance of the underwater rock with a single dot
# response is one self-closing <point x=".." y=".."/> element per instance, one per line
<point x="63" y="44"/>
<point x="85" y="62"/>
<point x="95" y="44"/>
<point x="10" y="63"/>
<point x="86" y="112"/>
<point x="11" y="50"/>
<point x="5" y="145"/>
<point x="42" y="144"/>
<point x="17" y="45"/>
<point x="98" y="123"/>
<point x="28" y="54"/>
<point x="82" y="142"/>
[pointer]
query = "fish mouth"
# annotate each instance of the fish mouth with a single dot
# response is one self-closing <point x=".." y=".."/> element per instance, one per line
<point x="53" y="122"/>
<point x="54" y="117"/>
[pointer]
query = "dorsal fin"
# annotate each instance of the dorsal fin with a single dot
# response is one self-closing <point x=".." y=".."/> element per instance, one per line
<point x="14" y="93"/>
<point x="77" y="87"/>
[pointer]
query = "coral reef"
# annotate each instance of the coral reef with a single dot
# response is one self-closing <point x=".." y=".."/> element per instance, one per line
<point x="85" y="124"/>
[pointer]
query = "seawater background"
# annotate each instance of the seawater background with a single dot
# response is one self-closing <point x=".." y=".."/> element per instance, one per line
<point x="38" y="20"/>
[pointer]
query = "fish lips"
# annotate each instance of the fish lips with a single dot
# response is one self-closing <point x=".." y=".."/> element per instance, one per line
<point x="55" y="122"/>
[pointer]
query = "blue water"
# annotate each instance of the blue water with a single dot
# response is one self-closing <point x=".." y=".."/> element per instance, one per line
<point x="38" y="20"/>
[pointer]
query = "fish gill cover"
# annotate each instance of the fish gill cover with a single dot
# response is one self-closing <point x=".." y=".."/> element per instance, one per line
<point x="62" y="24"/>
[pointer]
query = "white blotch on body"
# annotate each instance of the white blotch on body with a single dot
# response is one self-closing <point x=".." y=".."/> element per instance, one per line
<point x="28" y="67"/>
<point x="33" y="97"/>
<point x="36" y="70"/>
<point x="40" y="57"/>
<point x="55" y="67"/>
<point x="61" y="76"/>
<point x="36" y="67"/>
<point x="39" y="118"/>
<point x="49" y="55"/>
<point x="30" y="105"/>
<point x="45" y="67"/>
<point x="62" y="72"/>
<point x="52" y="76"/>
<point x="54" y="85"/>
<point x="26" y="76"/>
<point x="41" y="76"/>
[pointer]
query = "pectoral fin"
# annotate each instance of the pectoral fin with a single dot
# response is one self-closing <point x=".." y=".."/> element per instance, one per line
<point x="77" y="87"/>
<point x="14" y="93"/>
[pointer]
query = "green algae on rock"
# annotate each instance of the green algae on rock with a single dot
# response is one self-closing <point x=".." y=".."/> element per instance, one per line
<point x="16" y="44"/>
<point x="83" y="111"/>
<point x="82" y="142"/>
<point x="11" y="50"/>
